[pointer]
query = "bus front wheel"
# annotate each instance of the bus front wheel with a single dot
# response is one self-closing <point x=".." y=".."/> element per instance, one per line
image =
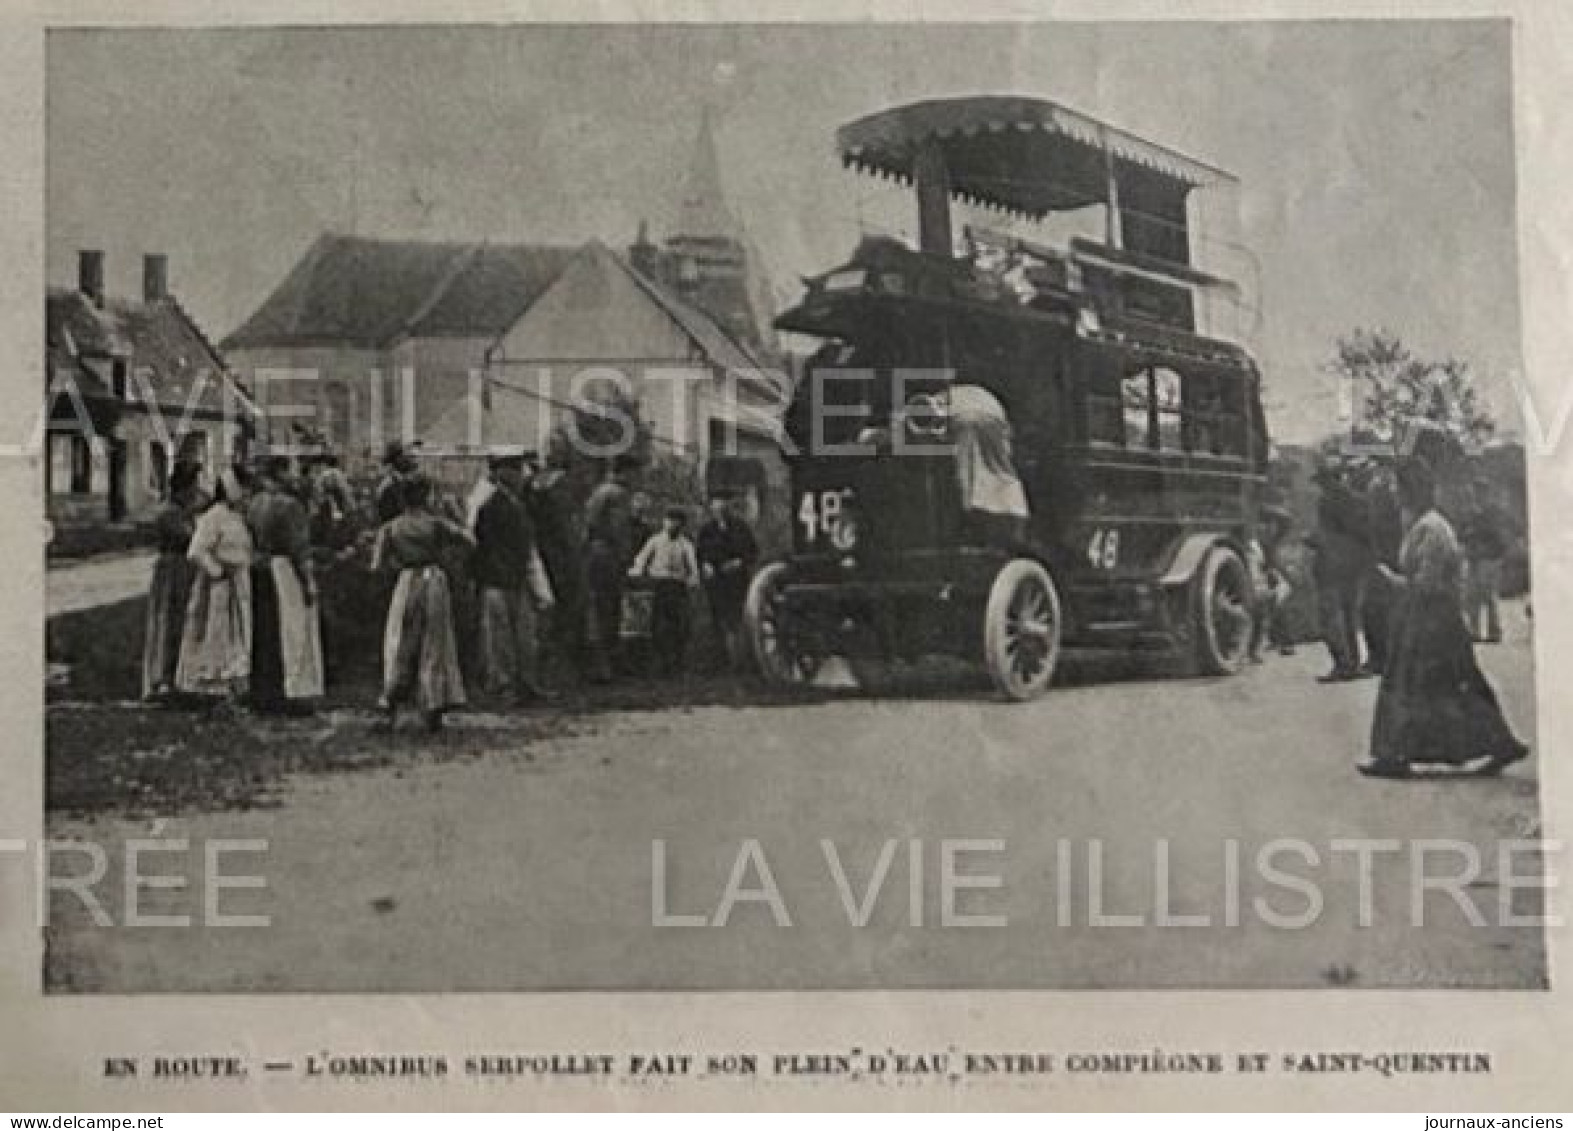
<point x="1223" y="612"/>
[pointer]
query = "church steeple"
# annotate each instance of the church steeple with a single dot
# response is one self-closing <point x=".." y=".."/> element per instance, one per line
<point x="703" y="211"/>
<point x="708" y="258"/>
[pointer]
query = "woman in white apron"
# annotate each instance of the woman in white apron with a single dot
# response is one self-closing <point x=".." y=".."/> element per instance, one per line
<point x="215" y="644"/>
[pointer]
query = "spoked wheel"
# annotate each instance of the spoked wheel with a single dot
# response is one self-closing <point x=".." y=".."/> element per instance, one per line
<point x="1223" y="613"/>
<point x="780" y="658"/>
<point x="1021" y="631"/>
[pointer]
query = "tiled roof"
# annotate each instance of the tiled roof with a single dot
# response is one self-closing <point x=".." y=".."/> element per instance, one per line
<point x="158" y="339"/>
<point x="74" y="324"/>
<point x="354" y="291"/>
<point x="350" y="290"/>
<point x="494" y="286"/>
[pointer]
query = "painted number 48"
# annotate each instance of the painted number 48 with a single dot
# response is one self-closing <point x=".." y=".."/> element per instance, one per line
<point x="1104" y="549"/>
<point x="821" y="513"/>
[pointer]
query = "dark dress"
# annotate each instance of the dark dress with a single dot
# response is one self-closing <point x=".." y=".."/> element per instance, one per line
<point x="286" y="640"/>
<point x="1435" y="705"/>
<point x="166" y="599"/>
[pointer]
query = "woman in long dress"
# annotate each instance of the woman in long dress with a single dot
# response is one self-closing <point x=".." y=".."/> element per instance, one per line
<point x="420" y="659"/>
<point x="171" y="584"/>
<point x="215" y="646"/>
<point x="1435" y="705"/>
<point x="286" y="661"/>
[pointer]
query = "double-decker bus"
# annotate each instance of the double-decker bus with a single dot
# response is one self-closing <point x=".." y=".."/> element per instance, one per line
<point x="1005" y="449"/>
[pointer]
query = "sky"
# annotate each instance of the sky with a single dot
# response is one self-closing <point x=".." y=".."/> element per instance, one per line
<point x="1375" y="159"/>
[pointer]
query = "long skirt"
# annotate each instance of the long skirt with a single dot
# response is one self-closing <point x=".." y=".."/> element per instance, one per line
<point x="1435" y="704"/>
<point x="420" y="661"/>
<point x="165" y="622"/>
<point x="510" y="650"/>
<point x="215" y="642"/>
<point x="287" y="638"/>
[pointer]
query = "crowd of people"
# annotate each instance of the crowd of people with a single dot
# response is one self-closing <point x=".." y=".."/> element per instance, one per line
<point x="1403" y="595"/>
<point x="1357" y="541"/>
<point x="520" y="572"/>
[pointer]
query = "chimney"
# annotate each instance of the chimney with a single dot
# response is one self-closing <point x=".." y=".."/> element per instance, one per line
<point x="90" y="275"/>
<point x="155" y="278"/>
<point x="644" y="254"/>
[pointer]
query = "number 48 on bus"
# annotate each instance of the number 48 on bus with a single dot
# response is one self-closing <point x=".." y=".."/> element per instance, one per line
<point x="1104" y="549"/>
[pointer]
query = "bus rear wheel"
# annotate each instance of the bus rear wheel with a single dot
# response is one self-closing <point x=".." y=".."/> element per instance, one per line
<point x="1021" y="630"/>
<point x="1223" y="613"/>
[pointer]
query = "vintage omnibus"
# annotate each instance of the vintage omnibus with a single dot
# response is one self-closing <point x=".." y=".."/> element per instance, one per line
<point x="1005" y="449"/>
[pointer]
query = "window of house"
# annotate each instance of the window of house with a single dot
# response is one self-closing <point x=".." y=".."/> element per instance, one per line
<point x="70" y="465"/>
<point x="195" y="448"/>
<point x="59" y="464"/>
<point x="157" y="469"/>
<point x="339" y="416"/>
<point x="95" y="466"/>
<point x="118" y="383"/>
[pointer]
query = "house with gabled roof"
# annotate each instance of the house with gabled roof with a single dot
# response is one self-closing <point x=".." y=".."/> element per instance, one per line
<point x="703" y="391"/>
<point x="369" y="339"/>
<point x="464" y="345"/>
<point x="133" y="387"/>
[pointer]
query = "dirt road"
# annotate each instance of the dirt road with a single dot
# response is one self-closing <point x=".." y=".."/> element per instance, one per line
<point x="1092" y="824"/>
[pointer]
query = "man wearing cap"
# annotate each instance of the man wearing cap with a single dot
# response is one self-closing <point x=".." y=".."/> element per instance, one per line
<point x="512" y="583"/>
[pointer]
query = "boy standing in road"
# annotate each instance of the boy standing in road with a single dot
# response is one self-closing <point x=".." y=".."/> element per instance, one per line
<point x="669" y="564"/>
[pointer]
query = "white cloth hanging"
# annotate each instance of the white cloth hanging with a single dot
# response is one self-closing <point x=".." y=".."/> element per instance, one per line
<point x="980" y="431"/>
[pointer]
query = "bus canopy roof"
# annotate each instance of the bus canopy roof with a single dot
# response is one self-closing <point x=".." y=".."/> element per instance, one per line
<point x="1025" y="155"/>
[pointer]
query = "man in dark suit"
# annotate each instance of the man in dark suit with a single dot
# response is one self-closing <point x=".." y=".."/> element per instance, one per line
<point x="514" y="589"/>
<point x="727" y="553"/>
<point x="1342" y="543"/>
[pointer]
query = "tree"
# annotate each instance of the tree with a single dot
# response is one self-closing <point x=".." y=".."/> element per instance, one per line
<point x="1392" y="388"/>
<point x="606" y="428"/>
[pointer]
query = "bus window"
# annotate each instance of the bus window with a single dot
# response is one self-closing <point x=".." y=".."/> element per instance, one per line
<point x="1104" y="399"/>
<point x="1168" y="401"/>
<point x="1136" y="403"/>
<point x="1215" y="415"/>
